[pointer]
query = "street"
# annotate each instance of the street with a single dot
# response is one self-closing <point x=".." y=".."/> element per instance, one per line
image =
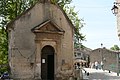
<point x="100" y="75"/>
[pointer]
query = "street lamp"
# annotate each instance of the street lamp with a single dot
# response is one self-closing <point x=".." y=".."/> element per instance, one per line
<point x="101" y="45"/>
<point x="115" y="10"/>
<point x="102" y="52"/>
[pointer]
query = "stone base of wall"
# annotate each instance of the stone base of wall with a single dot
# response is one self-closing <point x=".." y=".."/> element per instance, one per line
<point x="26" y="79"/>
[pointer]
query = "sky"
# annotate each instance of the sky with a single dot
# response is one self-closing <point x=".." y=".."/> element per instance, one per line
<point x="100" y="23"/>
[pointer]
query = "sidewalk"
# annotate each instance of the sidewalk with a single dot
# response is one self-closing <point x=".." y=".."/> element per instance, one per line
<point x="100" y="75"/>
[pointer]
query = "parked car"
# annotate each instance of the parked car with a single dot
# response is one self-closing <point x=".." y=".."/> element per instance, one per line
<point x="5" y="76"/>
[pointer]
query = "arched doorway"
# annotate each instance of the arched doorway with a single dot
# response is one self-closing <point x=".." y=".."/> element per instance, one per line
<point x="47" y="63"/>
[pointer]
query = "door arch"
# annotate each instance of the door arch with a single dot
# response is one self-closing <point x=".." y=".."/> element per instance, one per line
<point x="47" y="63"/>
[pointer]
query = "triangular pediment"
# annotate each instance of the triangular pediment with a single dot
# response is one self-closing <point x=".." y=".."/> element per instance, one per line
<point x="48" y="26"/>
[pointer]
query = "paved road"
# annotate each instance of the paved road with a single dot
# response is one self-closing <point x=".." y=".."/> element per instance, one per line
<point x="100" y="75"/>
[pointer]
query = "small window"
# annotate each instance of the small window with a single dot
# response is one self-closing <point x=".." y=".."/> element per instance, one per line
<point x="98" y="50"/>
<point x="119" y="56"/>
<point x="75" y="54"/>
<point x="79" y="54"/>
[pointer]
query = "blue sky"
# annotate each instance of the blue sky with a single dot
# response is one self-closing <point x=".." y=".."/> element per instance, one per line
<point x="100" y="24"/>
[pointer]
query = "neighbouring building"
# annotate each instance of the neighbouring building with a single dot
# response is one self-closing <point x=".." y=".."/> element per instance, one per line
<point x="110" y="59"/>
<point x="116" y="11"/>
<point x="118" y="18"/>
<point x="41" y="43"/>
<point x="81" y="57"/>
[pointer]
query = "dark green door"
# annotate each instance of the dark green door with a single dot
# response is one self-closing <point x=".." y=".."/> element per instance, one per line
<point x="47" y="63"/>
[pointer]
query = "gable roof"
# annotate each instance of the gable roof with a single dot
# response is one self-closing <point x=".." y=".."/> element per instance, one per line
<point x="39" y="26"/>
<point x="12" y="21"/>
<point x="65" y="15"/>
<point x="105" y="50"/>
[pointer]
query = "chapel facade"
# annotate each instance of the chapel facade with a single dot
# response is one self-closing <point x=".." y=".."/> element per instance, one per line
<point x="41" y="43"/>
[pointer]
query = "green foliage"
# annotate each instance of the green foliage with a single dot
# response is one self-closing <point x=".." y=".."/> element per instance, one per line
<point x="4" y="68"/>
<point x="9" y="10"/>
<point x="78" y="23"/>
<point x="73" y="16"/>
<point x="115" y="48"/>
<point x="3" y="50"/>
<point x="62" y="3"/>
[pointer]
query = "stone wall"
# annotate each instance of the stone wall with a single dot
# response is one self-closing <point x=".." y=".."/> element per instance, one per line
<point x="25" y="46"/>
<point x="108" y="57"/>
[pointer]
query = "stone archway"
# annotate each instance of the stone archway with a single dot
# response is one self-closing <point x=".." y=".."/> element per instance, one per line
<point x="47" y="63"/>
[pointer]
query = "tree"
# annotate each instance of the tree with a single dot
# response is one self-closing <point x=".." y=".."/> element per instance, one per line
<point x="115" y="48"/>
<point x="3" y="51"/>
<point x="73" y="16"/>
<point x="10" y="9"/>
<point x="61" y="3"/>
<point x="78" y="23"/>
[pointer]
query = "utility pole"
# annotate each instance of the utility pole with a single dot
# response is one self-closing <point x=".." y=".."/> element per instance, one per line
<point x="101" y="52"/>
<point x="118" y="64"/>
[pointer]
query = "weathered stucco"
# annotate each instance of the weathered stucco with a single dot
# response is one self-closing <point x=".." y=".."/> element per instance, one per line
<point x="25" y="45"/>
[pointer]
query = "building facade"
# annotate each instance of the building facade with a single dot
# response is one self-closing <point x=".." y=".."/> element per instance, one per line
<point x="118" y="17"/>
<point x="41" y="43"/>
<point x="81" y="57"/>
<point x="109" y="58"/>
<point x="116" y="11"/>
